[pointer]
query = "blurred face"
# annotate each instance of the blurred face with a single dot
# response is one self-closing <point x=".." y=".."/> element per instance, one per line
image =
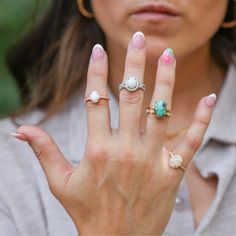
<point x="184" y="25"/>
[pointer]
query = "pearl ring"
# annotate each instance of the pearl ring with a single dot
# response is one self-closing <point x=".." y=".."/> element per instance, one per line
<point x="95" y="97"/>
<point x="132" y="84"/>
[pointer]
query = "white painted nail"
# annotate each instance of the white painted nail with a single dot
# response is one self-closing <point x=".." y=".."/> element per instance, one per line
<point x="211" y="100"/>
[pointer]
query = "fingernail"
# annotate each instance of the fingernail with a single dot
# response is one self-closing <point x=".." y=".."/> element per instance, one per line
<point x="98" y="52"/>
<point x="210" y="100"/>
<point x="138" y="40"/>
<point x="168" y="56"/>
<point x="19" y="136"/>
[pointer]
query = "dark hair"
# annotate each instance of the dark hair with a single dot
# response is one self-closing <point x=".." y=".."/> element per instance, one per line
<point x="50" y="63"/>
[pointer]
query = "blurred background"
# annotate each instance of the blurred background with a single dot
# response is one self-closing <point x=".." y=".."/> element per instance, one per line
<point x="16" y="18"/>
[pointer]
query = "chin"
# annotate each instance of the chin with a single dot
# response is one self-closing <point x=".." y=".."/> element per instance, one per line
<point x="153" y="53"/>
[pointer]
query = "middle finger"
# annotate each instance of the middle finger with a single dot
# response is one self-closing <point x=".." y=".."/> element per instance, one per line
<point x="131" y="102"/>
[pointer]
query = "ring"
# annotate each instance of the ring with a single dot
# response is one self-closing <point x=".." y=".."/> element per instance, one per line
<point x="132" y="84"/>
<point x="95" y="97"/>
<point x="176" y="161"/>
<point x="159" y="109"/>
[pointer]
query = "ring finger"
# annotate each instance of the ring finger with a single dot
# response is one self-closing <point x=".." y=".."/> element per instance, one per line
<point x="131" y="101"/>
<point x="165" y="79"/>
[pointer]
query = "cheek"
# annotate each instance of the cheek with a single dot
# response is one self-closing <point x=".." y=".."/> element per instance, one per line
<point x="205" y="21"/>
<point x="110" y="16"/>
<point x="201" y="21"/>
<point x="207" y="17"/>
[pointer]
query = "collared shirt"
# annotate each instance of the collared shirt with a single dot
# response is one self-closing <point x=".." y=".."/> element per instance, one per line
<point x="28" y="208"/>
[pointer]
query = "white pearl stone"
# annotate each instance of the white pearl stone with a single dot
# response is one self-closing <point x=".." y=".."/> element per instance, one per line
<point x="132" y="82"/>
<point x="176" y="161"/>
<point x="94" y="96"/>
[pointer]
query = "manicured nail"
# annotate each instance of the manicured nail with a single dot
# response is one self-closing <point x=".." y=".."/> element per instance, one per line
<point x="168" y="56"/>
<point x="138" y="40"/>
<point x="210" y="100"/>
<point x="19" y="136"/>
<point x="98" y="52"/>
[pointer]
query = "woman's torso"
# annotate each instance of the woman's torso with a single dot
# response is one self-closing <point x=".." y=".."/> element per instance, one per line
<point x="28" y="208"/>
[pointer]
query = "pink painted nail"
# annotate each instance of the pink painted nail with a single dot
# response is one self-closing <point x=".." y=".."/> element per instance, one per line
<point x="98" y="52"/>
<point x="19" y="136"/>
<point x="138" y="40"/>
<point x="210" y="100"/>
<point x="168" y="56"/>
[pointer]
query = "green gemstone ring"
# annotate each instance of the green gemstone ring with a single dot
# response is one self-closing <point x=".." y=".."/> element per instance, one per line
<point x="159" y="109"/>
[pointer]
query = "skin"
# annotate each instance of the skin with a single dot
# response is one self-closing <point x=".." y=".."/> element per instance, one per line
<point x="190" y="37"/>
<point x="110" y="192"/>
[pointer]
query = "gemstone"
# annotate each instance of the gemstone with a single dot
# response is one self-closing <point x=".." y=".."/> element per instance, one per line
<point x="94" y="96"/>
<point x="132" y="83"/>
<point x="176" y="161"/>
<point x="160" y="108"/>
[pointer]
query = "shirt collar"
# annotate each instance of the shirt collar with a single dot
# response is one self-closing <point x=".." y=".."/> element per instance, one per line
<point x="217" y="154"/>
<point x="223" y="123"/>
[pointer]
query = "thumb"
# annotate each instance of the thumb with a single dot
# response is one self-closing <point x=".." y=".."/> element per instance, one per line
<point x="55" y="166"/>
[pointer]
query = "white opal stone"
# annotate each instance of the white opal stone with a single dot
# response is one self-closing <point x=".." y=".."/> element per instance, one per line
<point x="94" y="96"/>
<point x="132" y="82"/>
<point x="176" y="161"/>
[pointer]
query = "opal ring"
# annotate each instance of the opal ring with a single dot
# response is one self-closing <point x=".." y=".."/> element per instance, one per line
<point x="159" y="109"/>
<point x="95" y="97"/>
<point x="176" y="161"/>
<point x="132" y="84"/>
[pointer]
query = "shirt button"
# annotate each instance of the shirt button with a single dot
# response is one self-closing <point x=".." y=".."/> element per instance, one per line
<point x="179" y="204"/>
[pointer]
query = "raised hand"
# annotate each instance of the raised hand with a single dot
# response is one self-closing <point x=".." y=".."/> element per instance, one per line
<point x="127" y="182"/>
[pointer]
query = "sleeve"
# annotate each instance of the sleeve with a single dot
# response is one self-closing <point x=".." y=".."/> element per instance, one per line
<point x="7" y="225"/>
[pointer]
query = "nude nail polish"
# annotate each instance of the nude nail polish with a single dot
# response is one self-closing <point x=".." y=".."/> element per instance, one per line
<point x="138" y="40"/>
<point x="168" y="56"/>
<point x="19" y="137"/>
<point x="210" y="100"/>
<point x="98" y="52"/>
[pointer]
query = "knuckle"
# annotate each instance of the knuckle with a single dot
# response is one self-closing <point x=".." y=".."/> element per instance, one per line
<point x="97" y="153"/>
<point x="39" y="153"/>
<point x="166" y="82"/>
<point x="96" y="72"/>
<point x="97" y="75"/>
<point x="42" y="144"/>
<point x="128" y="155"/>
<point x="130" y="97"/>
<point x="94" y="106"/>
<point x="134" y="62"/>
<point x="54" y="189"/>
<point x="203" y="122"/>
<point x="194" y="142"/>
<point x="158" y="121"/>
<point x="45" y="142"/>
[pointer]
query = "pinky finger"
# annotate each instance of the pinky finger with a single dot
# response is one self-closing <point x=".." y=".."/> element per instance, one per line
<point x="192" y="141"/>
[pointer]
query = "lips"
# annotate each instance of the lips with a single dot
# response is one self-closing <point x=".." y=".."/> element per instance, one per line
<point x="156" y="12"/>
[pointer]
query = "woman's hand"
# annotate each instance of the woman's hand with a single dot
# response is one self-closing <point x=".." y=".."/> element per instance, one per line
<point x="124" y="185"/>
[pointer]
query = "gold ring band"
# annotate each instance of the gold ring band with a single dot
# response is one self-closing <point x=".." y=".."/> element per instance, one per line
<point x="95" y="97"/>
<point x="150" y="110"/>
<point x="90" y="100"/>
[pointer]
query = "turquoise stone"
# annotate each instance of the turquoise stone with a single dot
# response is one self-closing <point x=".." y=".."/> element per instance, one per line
<point x="160" y="108"/>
